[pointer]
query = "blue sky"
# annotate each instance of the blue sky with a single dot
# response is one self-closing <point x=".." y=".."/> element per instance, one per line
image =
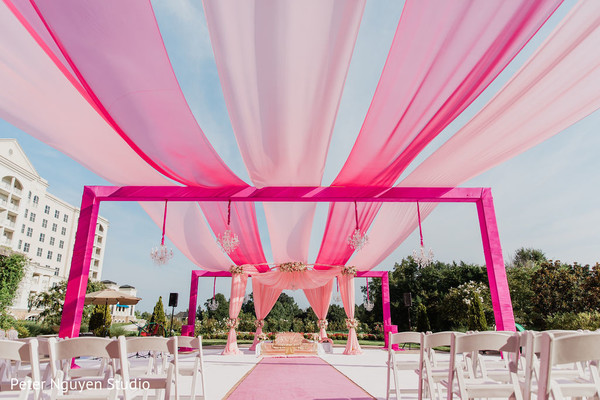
<point x="544" y="198"/>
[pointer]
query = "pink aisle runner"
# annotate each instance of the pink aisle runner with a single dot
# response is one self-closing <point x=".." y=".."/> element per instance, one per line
<point x="296" y="378"/>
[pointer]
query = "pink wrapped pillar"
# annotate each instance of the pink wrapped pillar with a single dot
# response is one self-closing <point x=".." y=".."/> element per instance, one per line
<point x="238" y="290"/>
<point x="70" y="322"/>
<point x="319" y="299"/>
<point x="264" y="300"/>
<point x="347" y="293"/>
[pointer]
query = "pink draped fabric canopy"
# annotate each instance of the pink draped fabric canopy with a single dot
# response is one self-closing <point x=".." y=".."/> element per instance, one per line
<point x="94" y="78"/>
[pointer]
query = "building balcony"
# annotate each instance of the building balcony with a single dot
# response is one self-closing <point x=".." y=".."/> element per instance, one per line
<point x="4" y="241"/>
<point x="3" y="204"/>
<point x="13" y="207"/>
<point x="9" y="225"/>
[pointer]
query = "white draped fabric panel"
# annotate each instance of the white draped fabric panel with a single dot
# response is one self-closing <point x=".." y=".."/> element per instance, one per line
<point x="282" y="67"/>
<point x="558" y="86"/>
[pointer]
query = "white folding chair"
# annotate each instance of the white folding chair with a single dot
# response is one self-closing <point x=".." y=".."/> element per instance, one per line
<point x="157" y="376"/>
<point x="193" y="369"/>
<point x="434" y="369"/>
<point x="472" y="386"/>
<point x="395" y="365"/>
<point x="568" y="349"/>
<point x="90" y="382"/>
<point x="19" y="352"/>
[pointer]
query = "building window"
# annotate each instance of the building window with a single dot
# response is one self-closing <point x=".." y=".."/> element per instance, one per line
<point x="20" y="244"/>
<point x="23" y="229"/>
<point x="59" y="257"/>
<point x="56" y="214"/>
<point x="29" y="232"/>
<point x="56" y="270"/>
<point x="26" y="247"/>
<point x="44" y="223"/>
<point x="61" y="244"/>
<point x="36" y="200"/>
<point x="51" y="241"/>
<point x="29" y="195"/>
<point x="54" y="227"/>
<point x="32" y="217"/>
<point x="47" y="209"/>
<point x="39" y="252"/>
<point x="49" y="256"/>
<point x="26" y="213"/>
<point x="66" y="218"/>
<point x="42" y="237"/>
<point x="63" y="231"/>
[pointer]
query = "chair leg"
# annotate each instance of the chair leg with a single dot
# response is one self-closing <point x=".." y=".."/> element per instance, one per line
<point x="387" y="397"/>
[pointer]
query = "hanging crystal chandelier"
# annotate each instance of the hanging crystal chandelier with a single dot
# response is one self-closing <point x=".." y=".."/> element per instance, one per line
<point x="228" y="241"/>
<point x="337" y="298"/>
<point x="213" y="304"/>
<point x="368" y="304"/>
<point x="357" y="240"/>
<point x="422" y="257"/>
<point x="161" y="254"/>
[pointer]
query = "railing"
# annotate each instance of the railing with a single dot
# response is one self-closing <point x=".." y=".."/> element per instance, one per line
<point x="5" y="185"/>
<point x="13" y="207"/>
<point x="3" y="203"/>
<point x="17" y="191"/>
<point x="5" y="241"/>
<point x="9" y="224"/>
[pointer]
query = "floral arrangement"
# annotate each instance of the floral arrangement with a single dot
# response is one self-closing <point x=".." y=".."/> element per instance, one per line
<point x="292" y="267"/>
<point x="232" y="323"/>
<point x="322" y="323"/>
<point x="349" y="270"/>
<point x="259" y="323"/>
<point x="236" y="269"/>
<point x="315" y="337"/>
<point x="351" y="323"/>
<point x="263" y="336"/>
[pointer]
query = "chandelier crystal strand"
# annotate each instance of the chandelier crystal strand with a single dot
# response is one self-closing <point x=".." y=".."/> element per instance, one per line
<point x="213" y="304"/>
<point x="161" y="254"/>
<point x="357" y="240"/>
<point x="369" y="303"/>
<point x="422" y="257"/>
<point x="337" y="298"/>
<point x="228" y="241"/>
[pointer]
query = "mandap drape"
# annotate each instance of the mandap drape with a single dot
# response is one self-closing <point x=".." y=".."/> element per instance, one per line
<point x="238" y="290"/>
<point x="264" y="300"/>
<point x="319" y="299"/>
<point x="347" y="293"/>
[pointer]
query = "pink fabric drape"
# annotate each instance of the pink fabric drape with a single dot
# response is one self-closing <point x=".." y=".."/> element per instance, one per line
<point x="282" y="66"/>
<point x="430" y="77"/>
<point x="236" y="299"/>
<point x="347" y="293"/>
<point x="319" y="300"/>
<point x="296" y="280"/>
<point x="558" y="86"/>
<point x="117" y="52"/>
<point x="432" y="74"/>
<point x="243" y="223"/>
<point x="264" y="300"/>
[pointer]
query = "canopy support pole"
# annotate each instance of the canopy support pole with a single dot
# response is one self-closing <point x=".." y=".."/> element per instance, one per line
<point x="188" y="330"/>
<point x="385" y="300"/>
<point x="70" y="323"/>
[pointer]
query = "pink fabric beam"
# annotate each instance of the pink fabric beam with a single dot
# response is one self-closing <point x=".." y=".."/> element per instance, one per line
<point x="140" y="98"/>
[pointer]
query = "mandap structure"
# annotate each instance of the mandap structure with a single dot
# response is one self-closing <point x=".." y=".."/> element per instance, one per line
<point x="94" y="78"/>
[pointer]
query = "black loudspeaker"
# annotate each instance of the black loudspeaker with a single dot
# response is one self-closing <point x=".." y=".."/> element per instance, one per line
<point x="407" y="299"/>
<point x="173" y="299"/>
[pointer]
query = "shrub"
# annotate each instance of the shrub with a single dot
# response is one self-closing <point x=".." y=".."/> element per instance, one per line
<point x="476" y="318"/>
<point x="158" y="315"/>
<point x="422" y="320"/>
<point x="574" y="321"/>
<point x="97" y="323"/>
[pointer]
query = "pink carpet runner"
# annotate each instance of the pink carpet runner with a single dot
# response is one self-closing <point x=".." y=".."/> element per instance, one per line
<point x="296" y="378"/>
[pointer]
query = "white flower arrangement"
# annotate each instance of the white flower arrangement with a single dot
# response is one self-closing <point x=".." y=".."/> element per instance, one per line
<point x="351" y="323"/>
<point x="349" y="270"/>
<point x="322" y="323"/>
<point x="292" y="267"/>
<point x="236" y="269"/>
<point x="232" y="323"/>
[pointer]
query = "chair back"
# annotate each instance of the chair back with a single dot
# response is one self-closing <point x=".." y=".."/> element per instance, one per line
<point x="404" y="337"/>
<point x="566" y="349"/>
<point x="19" y="351"/>
<point x="438" y="339"/>
<point x="482" y="341"/>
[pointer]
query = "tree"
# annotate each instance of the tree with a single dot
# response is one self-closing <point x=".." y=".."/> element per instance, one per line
<point x="527" y="257"/>
<point x="51" y="302"/>
<point x="222" y="311"/>
<point x="12" y="271"/>
<point x="158" y="315"/>
<point x="282" y="314"/>
<point x="476" y="319"/>
<point x="100" y="320"/>
<point x="422" y="320"/>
